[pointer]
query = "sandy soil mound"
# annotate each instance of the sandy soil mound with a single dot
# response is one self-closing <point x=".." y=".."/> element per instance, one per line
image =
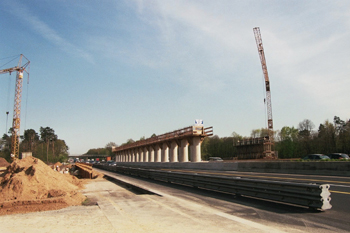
<point x="3" y="162"/>
<point x="30" y="185"/>
<point x="58" y="164"/>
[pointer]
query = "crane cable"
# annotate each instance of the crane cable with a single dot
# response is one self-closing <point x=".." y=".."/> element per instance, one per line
<point x="8" y="102"/>
<point x="15" y="57"/>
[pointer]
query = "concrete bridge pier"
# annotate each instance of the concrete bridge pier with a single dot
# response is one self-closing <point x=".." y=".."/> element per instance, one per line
<point x="157" y="153"/>
<point x="145" y="154"/>
<point x="195" y="149"/>
<point x="183" y="151"/>
<point x="126" y="157"/>
<point x="165" y="152"/>
<point x="129" y="153"/>
<point x="151" y="154"/>
<point x="140" y="154"/>
<point x="137" y="159"/>
<point x="173" y="152"/>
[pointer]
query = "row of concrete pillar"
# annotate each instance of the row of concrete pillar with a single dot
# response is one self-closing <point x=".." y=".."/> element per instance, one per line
<point x="171" y="151"/>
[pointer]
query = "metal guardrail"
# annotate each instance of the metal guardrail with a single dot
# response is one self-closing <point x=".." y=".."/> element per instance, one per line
<point x="315" y="196"/>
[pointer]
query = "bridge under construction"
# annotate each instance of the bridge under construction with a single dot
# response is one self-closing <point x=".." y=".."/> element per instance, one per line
<point x="169" y="147"/>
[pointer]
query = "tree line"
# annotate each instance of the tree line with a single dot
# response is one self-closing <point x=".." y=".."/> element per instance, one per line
<point x="44" y="145"/>
<point x="107" y="150"/>
<point x="290" y="142"/>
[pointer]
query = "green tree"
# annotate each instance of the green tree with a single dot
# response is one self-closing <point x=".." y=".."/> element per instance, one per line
<point x="30" y="140"/>
<point x="48" y="136"/>
<point x="235" y="139"/>
<point x="129" y="141"/>
<point x="109" y="147"/>
<point x="217" y="147"/>
<point x="342" y="131"/>
<point x="326" y="138"/>
<point x="5" y="147"/>
<point x="288" y="142"/>
<point x="98" y="151"/>
<point x="305" y="137"/>
<point x="61" y="151"/>
<point x="256" y="133"/>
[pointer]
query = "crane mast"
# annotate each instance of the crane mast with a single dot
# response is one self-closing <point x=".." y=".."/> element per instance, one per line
<point x="17" y="104"/>
<point x="270" y="140"/>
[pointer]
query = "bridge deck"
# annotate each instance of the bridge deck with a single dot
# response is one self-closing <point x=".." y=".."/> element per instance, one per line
<point x="175" y="135"/>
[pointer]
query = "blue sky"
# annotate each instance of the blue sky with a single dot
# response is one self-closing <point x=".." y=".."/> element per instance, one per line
<point x="106" y="71"/>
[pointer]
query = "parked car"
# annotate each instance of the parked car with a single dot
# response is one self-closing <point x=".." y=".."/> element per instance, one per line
<point x="316" y="157"/>
<point x="215" y="159"/>
<point x="338" y="156"/>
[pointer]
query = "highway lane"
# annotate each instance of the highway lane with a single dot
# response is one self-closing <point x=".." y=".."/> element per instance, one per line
<point x="338" y="184"/>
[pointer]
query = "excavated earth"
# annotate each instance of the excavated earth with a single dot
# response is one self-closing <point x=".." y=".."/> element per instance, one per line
<point x="3" y="162"/>
<point x="29" y="185"/>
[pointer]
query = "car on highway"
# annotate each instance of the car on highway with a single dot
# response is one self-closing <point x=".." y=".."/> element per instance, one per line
<point x="338" y="156"/>
<point x="111" y="163"/>
<point x="215" y="159"/>
<point x="316" y="157"/>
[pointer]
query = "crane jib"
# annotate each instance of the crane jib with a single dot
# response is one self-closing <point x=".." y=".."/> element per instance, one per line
<point x="259" y="44"/>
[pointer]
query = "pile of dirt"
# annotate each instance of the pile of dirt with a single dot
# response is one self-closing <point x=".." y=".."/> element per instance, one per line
<point x="58" y="164"/>
<point x="30" y="185"/>
<point x="3" y="162"/>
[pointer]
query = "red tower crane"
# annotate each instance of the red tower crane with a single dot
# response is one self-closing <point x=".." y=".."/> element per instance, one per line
<point x="17" y="104"/>
<point x="270" y="140"/>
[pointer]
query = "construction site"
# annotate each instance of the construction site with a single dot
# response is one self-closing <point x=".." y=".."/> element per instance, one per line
<point x="28" y="184"/>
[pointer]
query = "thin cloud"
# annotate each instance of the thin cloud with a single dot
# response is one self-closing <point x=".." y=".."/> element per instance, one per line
<point x="47" y="32"/>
